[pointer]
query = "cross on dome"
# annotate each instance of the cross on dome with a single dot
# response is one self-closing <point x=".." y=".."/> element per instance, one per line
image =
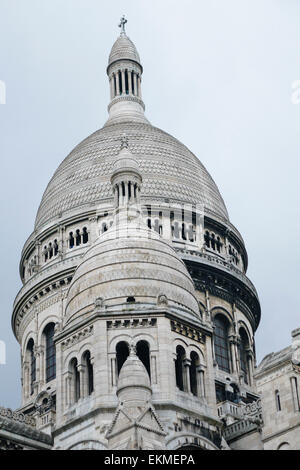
<point x="123" y="21"/>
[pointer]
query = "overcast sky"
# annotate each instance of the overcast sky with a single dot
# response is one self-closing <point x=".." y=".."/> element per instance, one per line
<point x="218" y="76"/>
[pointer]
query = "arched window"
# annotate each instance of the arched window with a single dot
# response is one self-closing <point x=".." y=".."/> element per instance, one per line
<point x="243" y="346"/>
<point x="50" y="352"/>
<point x="85" y="235"/>
<point x="213" y="241"/>
<point x="193" y="373"/>
<point x="122" y="350"/>
<point x="207" y="239"/>
<point x="55" y="246"/>
<point x="89" y="372"/>
<point x="143" y="353"/>
<point x="180" y="352"/>
<point x="32" y="359"/>
<point x="78" y="238"/>
<point x="75" y="381"/>
<point x="277" y="400"/>
<point x="221" y="343"/>
<point x="71" y="240"/>
<point x="295" y="393"/>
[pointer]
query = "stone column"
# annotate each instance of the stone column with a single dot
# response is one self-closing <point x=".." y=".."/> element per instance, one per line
<point x="26" y="373"/>
<point x="199" y="226"/>
<point x="68" y="391"/>
<point x="116" y="200"/>
<point x="61" y="241"/>
<point x="134" y="84"/>
<point x="174" y="368"/>
<point x="200" y="381"/>
<point x="123" y="83"/>
<point x="186" y="375"/>
<point x="153" y="369"/>
<point x="226" y="242"/>
<point x="117" y="83"/>
<point x="111" y="87"/>
<point x="232" y="343"/>
<point x="113" y="81"/>
<point x="208" y="315"/>
<point x="113" y="371"/>
<point x="82" y="381"/>
<point x="129" y="82"/>
<point x="139" y="87"/>
<point x="38" y="254"/>
<point x="42" y="365"/>
<point x="93" y="232"/>
<point x="166" y="223"/>
<point x="250" y="367"/>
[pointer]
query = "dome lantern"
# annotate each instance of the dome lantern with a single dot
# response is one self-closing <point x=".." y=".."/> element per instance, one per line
<point x="125" y="71"/>
<point x="126" y="178"/>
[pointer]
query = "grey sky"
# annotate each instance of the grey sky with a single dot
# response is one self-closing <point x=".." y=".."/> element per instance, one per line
<point x="217" y="75"/>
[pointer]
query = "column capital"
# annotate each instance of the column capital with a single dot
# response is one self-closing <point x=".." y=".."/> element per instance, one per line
<point x="233" y="339"/>
<point x="186" y="362"/>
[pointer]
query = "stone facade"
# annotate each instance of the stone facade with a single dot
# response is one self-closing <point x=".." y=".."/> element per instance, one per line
<point x="136" y="319"/>
<point x="277" y="380"/>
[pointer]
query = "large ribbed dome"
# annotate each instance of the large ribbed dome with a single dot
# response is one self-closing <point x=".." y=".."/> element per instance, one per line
<point x="170" y="173"/>
<point x="123" y="48"/>
<point x="130" y="260"/>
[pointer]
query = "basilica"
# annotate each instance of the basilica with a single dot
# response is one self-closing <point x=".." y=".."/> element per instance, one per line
<point x="136" y="319"/>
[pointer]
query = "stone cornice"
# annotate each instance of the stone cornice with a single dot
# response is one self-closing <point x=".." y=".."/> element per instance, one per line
<point x="132" y="98"/>
<point x="123" y="315"/>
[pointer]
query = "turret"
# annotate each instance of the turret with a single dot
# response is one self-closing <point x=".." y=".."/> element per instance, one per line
<point x="124" y="72"/>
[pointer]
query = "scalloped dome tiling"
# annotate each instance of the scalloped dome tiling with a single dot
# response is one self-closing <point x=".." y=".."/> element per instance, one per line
<point x="123" y="48"/>
<point x="171" y="173"/>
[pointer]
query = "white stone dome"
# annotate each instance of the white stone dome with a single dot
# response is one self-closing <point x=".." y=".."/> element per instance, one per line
<point x="170" y="172"/>
<point x="131" y="261"/>
<point x="123" y="48"/>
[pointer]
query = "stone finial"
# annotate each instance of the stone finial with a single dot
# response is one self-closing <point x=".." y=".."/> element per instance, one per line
<point x="123" y="21"/>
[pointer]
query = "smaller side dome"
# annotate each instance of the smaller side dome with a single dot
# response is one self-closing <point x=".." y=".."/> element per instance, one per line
<point x="134" y="383"/>
<point x="123" y="48"/>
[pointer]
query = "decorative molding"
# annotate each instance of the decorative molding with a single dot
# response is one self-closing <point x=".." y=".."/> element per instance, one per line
<point x="19" y="417"/>
<point x="77" y="337"/>
<point x="131" y="323"/>
<point x="187" y="331"/>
